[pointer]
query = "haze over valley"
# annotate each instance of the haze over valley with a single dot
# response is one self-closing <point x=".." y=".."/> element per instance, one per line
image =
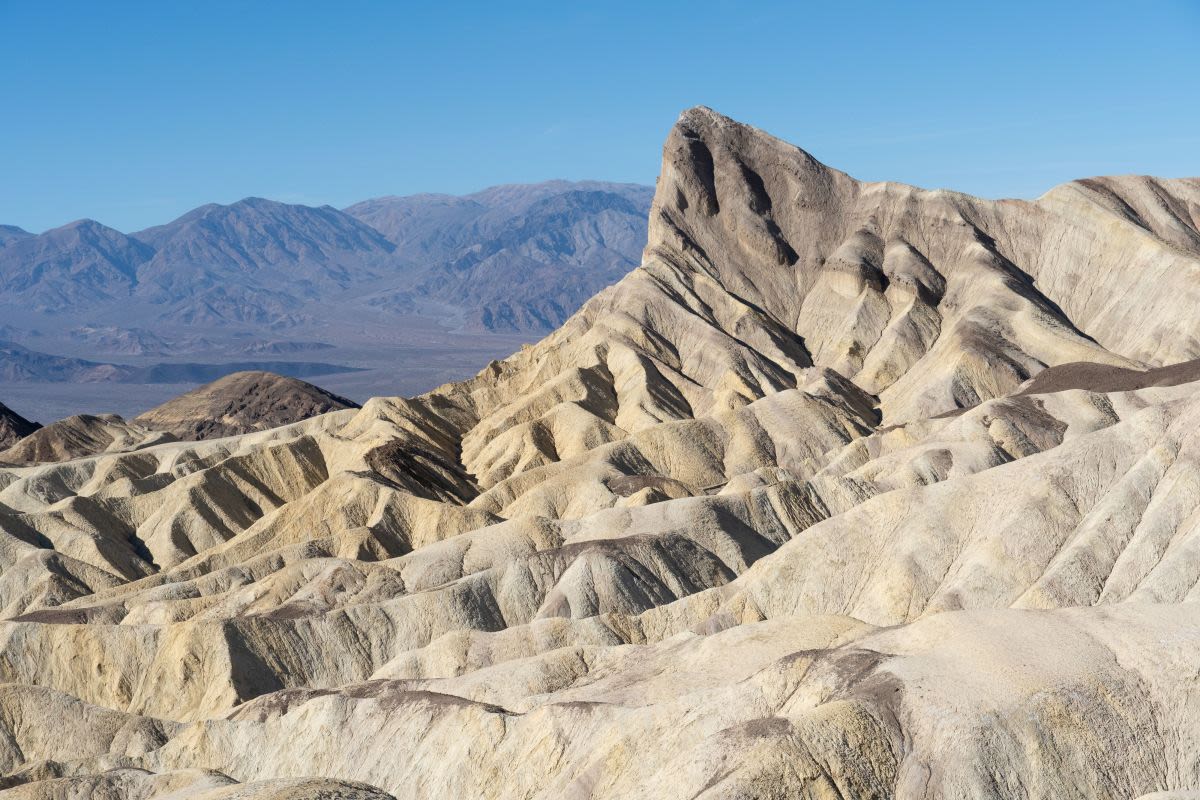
<point x="394" y="295"/>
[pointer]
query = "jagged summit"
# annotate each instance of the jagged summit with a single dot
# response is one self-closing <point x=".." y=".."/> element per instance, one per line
<point x="916" y="295"/>
<point x="702" y="122"/>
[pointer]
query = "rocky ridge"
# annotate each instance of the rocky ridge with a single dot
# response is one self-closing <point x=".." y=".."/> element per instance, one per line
<point x="78" y="436"/>
<point x="516" y="257"/>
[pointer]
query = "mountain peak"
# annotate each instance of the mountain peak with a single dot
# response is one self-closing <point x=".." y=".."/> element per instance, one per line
<point x="85" y="224"/>
<point x="714" y="127"/>
<point x="264" y="204"/>
<point x="704" y="115"/>
<point x="722" y="179"/>
<point x="239" y="403"/>
<point x="12" y="233"/>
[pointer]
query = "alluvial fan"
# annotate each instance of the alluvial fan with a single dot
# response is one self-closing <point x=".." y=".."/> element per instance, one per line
<point x="849" y="490"/>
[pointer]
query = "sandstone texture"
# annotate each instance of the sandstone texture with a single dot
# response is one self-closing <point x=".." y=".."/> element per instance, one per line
<point x="849" y="490"/>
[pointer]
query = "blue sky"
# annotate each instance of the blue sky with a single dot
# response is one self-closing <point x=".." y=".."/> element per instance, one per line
<point x="133" y="112"/>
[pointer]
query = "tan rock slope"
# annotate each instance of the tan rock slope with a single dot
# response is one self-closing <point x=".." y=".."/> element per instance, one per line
<point x="241" y="402"/>
<point x="81" y="435"/>
<point x="819" y="501"/>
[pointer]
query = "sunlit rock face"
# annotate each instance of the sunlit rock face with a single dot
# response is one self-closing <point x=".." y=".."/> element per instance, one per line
<point x="816" y="502"/>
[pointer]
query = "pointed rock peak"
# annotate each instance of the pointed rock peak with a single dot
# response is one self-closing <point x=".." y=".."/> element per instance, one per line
<point x="716" y="129"/>
<point x="708" y="155"/>
<point x="84" y="224"/>
<point x="703" y="116"/>
<point x="737" y="201"/>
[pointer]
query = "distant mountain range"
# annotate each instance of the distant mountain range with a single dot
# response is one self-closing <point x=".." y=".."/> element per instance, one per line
<point x="515" y="258"/>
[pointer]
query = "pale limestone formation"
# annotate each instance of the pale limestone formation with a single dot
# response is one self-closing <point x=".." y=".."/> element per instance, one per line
<point x="796" y="509"/>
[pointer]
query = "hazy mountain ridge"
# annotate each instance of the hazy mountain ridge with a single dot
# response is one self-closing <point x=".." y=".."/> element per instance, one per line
<point x="266" y="264"/>
<point x="257" y="277"/>
<point x="530" y="266"/>
<point x="79" y="264"/>
<point x="19" y="363"/>
<point x="256" y="259"/>
<point x="517" y="258"/>
<point x="11" y="233"/>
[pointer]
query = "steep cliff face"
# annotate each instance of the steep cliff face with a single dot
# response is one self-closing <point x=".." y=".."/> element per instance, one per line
<point x="930" y="299"/>
<point x="780" y="514"/>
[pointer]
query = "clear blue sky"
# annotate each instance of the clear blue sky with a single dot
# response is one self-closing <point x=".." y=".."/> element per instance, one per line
<point x="134" y="112"/>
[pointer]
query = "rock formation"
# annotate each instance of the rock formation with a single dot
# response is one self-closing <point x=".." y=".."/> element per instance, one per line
<point x="78" y="436"/>
<point x="849" y="490"/>
<point x="241" y="402"/>
<point x="13" y="427"/>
